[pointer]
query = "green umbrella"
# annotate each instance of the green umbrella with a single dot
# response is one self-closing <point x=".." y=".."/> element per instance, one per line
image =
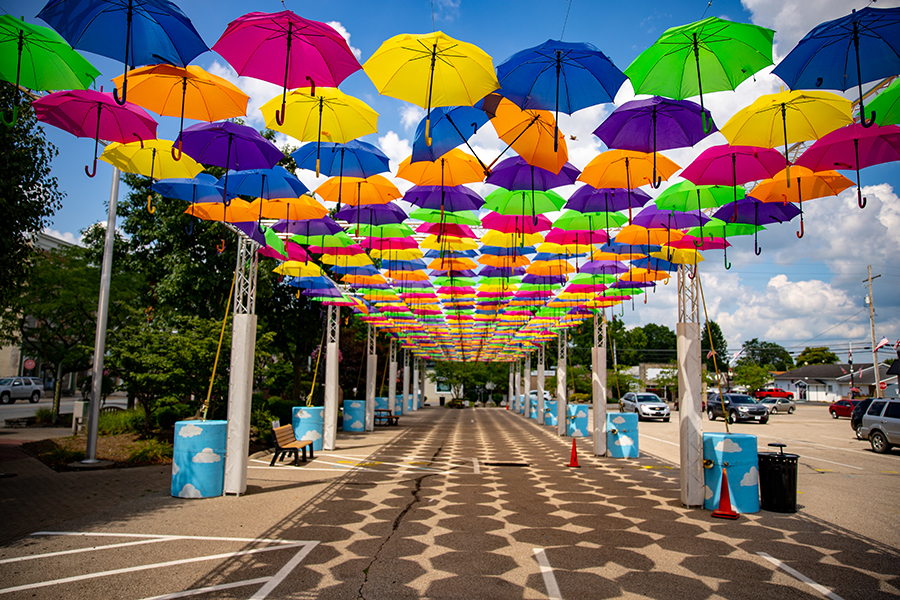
<point x="590" y="221"/>
<point x="38" y="58"/>
<point x="591" y="278"/>
<point x="461" y="217"/>
<point x="335" y="240"/>
<point x="523" y="202"/>
<point x="886" y="105"/>
<point x="685" y="196"/>
<point x="274" y="242"/>
<point x="454" y="281"/>
<point x="382" y="231"/>
<point x="722" y="229"/>
<point x="712" y="53"/>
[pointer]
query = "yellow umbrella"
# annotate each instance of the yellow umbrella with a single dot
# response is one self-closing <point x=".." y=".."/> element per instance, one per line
<point x="644" y="275"/>
<point x="358" y="190"/>
<point x="531" y="133"/>
<point x="509" y="240"/>
<point x="655" y="236"/>
<point x="346" y="260"/>
<point x="448" y="243"/>
<point x="600" y="255"/>
<point x="296" y="268"/>
<point x="322" y="112"/>
<point x="549" y="267"/>
<point x="411" y="254"/>
<point x="431" y="69"/>
<point x="626" y="169"/>
<point x="679" y="256"/>
<point x="787" y="117"/>
<point x="453" y="168"/>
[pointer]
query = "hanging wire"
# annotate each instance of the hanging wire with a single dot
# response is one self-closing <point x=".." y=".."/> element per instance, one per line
<point x="432" y="17"/>
<point x="566" y="21"/>
<point x="703" y="16"/>
<point x="715" y="362"/>
<point x="219" y="349"/>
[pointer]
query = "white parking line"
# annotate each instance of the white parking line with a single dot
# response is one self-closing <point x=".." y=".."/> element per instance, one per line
<point x="658" y="440"/>
<point x="814" y="445"/>
<point x="547" y="574"/>
<point x="476" y="467"/>
<point x="819" y="588"/>
<point x="831" y="462"/>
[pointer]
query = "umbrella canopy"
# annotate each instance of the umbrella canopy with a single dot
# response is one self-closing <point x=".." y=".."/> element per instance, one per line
<point x="515" y="223"/>
<point x="291" y="209"/>
<point x="137" y="32"/>
<point x="587" y="198"/>
<point x="853" y="147"/>
<point x="188" y="92"/>
<point x="532" y="133"/>
<point x="373" y="214"/>
<point x="353" y="159"/>
<point x="754" y="212"/>
<point x="272" y="183"/>
<point x="152" y="159"/>
<point x="444" y="200"/>
<point x="722" y="229"/>
<point x="847" y="52"/>
<point x="38" y="58"/>
<point x="514" y="173"/>
<point x="433" y="216"/>
<point x="714" y="54"/>
<point x="453" y="168"/>
<point x="626" y="169"/>
<point x="652" y="216"/>
<point x="357" y="190"/>
<point x="431" y="69"/>
<point x="283" y="48"/>
<point x="235" y="211"/>
<point x="654" y="124"/>
<point x="202" y="188"/>
<point x="886" y="105"/>
<point x="559" y="76"/>
<point x="512" y="202"/>
<point x="451" y="126"/>
<point x="86" y="113"/>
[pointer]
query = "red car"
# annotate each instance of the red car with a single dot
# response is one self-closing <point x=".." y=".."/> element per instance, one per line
<point x="772" y="393"/>
<point x="842" y="408"/>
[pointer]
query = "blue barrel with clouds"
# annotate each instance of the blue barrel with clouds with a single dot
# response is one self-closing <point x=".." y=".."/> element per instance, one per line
<point x="550" y="413"/>
<point x="354" y="415"/>
<point x="737" y="454"/>
<point x="622" y="435"/>
<point x="577" y="420"/>
<point x="309" y="424"/>
<point x="198" y="459"/>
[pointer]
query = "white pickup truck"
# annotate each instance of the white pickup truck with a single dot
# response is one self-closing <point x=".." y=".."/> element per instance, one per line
<point x="16" y="388"/>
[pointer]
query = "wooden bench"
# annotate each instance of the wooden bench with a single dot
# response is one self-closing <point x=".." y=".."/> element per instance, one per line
<point x="383" y="416"/>
<point x="286" y="443"/>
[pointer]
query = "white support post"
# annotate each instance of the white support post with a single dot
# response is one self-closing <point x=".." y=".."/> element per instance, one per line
<point x="561" y="388"/>
<point x="371" y="371"/>
<point x="392" y="375"/>
<point x="422" y="383"/>
<point x="243" y="351"/>
<point x="598" y="384"/>
<point x="517" y="386"/>
<point x="526" y="384"/>
<point x="690" y="388"/>
<point x="512" y="390"/>
<point x="331" y="377"/>
<point x="404" y="397"/>
<point x="540" y="384"/>
<point x="415" y="384"/>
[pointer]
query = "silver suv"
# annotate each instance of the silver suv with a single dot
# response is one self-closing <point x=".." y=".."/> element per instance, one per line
<point x="19" y="388"/>
<point x="646" y="404"/>
<point x="881" y="424"/>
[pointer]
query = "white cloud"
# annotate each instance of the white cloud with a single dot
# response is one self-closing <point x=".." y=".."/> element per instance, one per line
<point x="65" y="236"/>
<point x="708" y="493"/>
<point x="207" y="455"/>
<point x="175" y="468"/>
<point x="728" y="445"/>
<point x="302" y="414"/>
<point x="394" y="147"/>
<point x="189" y="431"/>
<point x="189" y="491"/>
<point x="311" y="435"/>
<point x="346" y="35"/>
<point x="259" y="91"/>
<point x="581" y="414"/>
<point x="751" y="478"/>
<point x="624" y="440"/>
<point x="356" y="424"/>
<point x="410" y="115"/>
<point x="619" y="420"/>
<point x="577" y="433"/>
<point x="356" y="404"/>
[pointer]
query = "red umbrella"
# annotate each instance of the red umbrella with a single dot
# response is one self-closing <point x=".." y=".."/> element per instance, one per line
<point x="87" y="113"/>
<point x="285" y="48"/>
<point x="853" y="147"/>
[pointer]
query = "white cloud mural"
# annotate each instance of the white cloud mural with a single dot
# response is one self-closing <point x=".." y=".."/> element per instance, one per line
<point x="189" y="431"/>
<point x="189" y="491"/>
<point x="207" y="455"/>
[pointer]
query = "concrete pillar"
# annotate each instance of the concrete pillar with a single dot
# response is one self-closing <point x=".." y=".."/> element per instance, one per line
<point x="404" y="398"/>
<point x="540" y="384"/>
<point x="392" y="376"/>
<point x="240" y="391"/>
<point x="561" y="378"/>
<point x="517" y="386"/>
<point x="422" y="376"/>
<point x="512" y="391"/>
<point x="526" y="383"/>
<point x="415" y="384"/>
<point x="331" y="377"/>
<point x="690" y="421"/>
<point x="371" y="372"/>
<point x="598" y="384"/>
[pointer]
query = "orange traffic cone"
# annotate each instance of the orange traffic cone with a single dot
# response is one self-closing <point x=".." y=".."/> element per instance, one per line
<point x="725" y="511"/>
<point x="573" y="462"/>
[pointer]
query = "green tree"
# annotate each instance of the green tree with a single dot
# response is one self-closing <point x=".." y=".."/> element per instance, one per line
<point x="718" y="343"/>
<point x="661" y="344"/>
<point x="751" y="375"/>
<point x="466" y="377"/>
<point x="819" y="355"/>
<point x="668" y="380"/>
<point x="764" y="353"/>
<point x="619" y="383"/>
<point x="28" y="193"/>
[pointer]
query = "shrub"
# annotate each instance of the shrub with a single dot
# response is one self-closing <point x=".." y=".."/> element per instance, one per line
<point x="581" y="398"/>
<point x="167" y="416"/>
<point x="281" y="409"/>
<point x="122" y="421"/>
<point x="150" y="451"/>
<point x="43" y="415"/>
<point x="261" y="421"/>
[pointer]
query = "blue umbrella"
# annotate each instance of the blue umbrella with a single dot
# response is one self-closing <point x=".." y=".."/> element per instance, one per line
<point x="202" y="188"/>
<point x="270" y="184"/>
<point x="138" y="32"/>
<point x="450" y="127"/>
<point x="353" y="159"/>
<point x="847" y="52"/>
<point x="559" y="76"/>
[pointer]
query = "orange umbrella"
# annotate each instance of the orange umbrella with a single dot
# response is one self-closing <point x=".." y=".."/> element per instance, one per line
<point x="452" y="264"/>
<point x="600" y="255"/>
<point x="810" y="185"/>
<point x="453" y="168"/>
<point x="363" y="279"/>
<point x="656" y="236"/>
<point x="292" y="209"/>
<point x="503" y="261"/>
<point x="626" y="169"/>
<point x="407" y="275"/>
<point x="358" y="190"/>
<point x="644" y="275"/>
<point x="238" y="211"/>
<point x="531" y="133"/>
<point x="550" y="267"/>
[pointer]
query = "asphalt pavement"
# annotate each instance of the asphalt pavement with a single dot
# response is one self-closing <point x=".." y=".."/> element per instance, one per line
<point x="472" y="503"/>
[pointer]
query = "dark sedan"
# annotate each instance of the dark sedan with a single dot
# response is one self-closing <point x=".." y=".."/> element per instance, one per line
<point x="856" y="416"/>
<point x="738" y="407"/>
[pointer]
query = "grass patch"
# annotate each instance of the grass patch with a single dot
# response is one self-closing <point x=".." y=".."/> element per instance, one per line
<point x="121" y="421"/>
<point x="151" y="452"/>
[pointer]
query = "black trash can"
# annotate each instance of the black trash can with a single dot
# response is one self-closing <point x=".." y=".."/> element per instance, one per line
<point x="778" y="481"/>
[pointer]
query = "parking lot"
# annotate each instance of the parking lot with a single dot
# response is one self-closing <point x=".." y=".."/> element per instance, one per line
<point x="478" y="503"/>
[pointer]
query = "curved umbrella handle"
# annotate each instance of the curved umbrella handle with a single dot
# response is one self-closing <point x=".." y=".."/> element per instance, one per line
<point x="150" y="208"/>
<point x="696" y="245"/>
<point x="802" y="231"/>
<point x="280" y="114"/>
<point x="220" y="248"/>
<point x="312" y="85"/>
<point x="727" y="264"/>
<point x="862" y="117"/>
<point x="706" y="123"/>
<point x="860" y="199"/>
<point x="91" y="172"/>
<point x="259" y="226"/>
<point x="140" y="139"/>
<point x="15" y="117"/>
<point x="176" y="152"/>
<point x="190" y="228"/>
<point x="121" y="101"/>
<point x="656" y="181"/>
<point x="756" y="249"/>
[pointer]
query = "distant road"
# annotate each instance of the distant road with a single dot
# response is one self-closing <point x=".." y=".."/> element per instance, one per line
<point x="23" y="408"/>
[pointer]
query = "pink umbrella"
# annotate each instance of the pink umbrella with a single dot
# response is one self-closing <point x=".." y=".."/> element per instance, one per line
<point x="691" y="242"/>
<point x="515" y="223"/>
<point x="313" y="53"/>
<point x="853" y="147"/>
<point x="87" y="113"/>
<point x="576" y="236"/>
<point x="451" y="229"/>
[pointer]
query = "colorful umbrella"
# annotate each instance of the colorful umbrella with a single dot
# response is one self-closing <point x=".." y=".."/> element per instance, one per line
<point x="322" y="112"/>
<point x="357" y="190"/>
<point x="515" y="173"/>
<point x="559" y="75"/>
<point x="712" y="53"/>
<point x="520" y="202"/>
<point x="450" y="127"/>
<point x="533" y="134"/>
<point x="685" y="196"/>
<point x="444" y="200"/>
<point x="654" y="124"/>
<point x="86" y="113"/>
<point x="39" y="59"/>
<point x="188" y="92"/>
<point x="313" y="53"/>
<point x="847" y="52"/>
<point x="722" y="229"/>
<point x="431" y="69"/>
<point x="353" y="159"/>
<point x="272" y="183"/>
<point x="587" y="198"/>
<point x="433" y="216"/>
<point x="626" y="169"/>
<point x="887" y="105"/>
<point x="453" y="168"/>
<point x="137" y="32"/>
<point x="853" y="147"/>
<point x="753" y="211"/>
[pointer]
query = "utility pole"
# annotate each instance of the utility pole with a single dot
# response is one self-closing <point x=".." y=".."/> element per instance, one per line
<point x="878" y="392"/>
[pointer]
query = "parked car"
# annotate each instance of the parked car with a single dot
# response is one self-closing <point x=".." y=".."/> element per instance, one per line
<point x="772" y="393"/>
<point x="777" y="405"/>
<point x="738" y="407"/>
<point x="862" y="405"/>
<point x="881" y="424"/>
<point x="532" y="395"/>
<point x="842" y="408"/>
<point x="647" y="406"/>
<point x="19" y="388"/>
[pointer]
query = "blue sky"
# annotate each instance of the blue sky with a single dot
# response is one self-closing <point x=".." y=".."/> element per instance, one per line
<point x="797" y="293"/>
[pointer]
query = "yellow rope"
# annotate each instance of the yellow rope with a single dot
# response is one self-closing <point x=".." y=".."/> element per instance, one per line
<point x="219" y="349"/>
<point x="312" y="389"/>
<point x="715" y="362"/>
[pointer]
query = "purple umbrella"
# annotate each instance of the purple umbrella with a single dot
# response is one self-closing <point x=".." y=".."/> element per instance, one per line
<point x="451" y="198"/>
<point x="750" y="210"/>
<point x="604" y="267"/>
<point x="653" y="124"/>
<point x="590" y="199"/>
<point x="514" y="173"/>
<point x="86" y="113"/>
<point x="228" y="145"/>
<point x="653" y="217"/>
<point x="308" y="227"/>
<point x="373" y="214"/>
